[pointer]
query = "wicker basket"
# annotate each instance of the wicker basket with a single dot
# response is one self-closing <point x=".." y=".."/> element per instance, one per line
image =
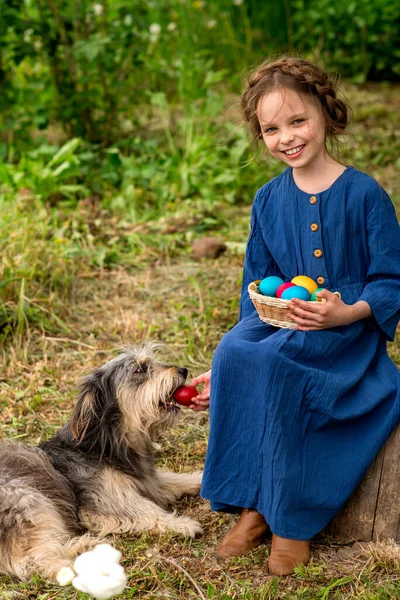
<point x="272" y="310"/>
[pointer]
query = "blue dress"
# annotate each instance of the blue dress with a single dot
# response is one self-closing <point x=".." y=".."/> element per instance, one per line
<point x="297" y="417"/>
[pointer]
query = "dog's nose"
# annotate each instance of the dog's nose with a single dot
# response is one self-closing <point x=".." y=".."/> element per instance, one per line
<point x="182" y="371"/>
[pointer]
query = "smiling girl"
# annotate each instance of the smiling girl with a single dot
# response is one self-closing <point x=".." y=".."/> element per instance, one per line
<point x="298" y="415"/>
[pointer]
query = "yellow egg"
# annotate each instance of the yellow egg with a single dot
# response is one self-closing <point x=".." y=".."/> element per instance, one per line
<point x="306" y="282"/>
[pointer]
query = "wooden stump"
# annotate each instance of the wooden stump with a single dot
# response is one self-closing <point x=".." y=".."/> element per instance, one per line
<point x="373" y="511"/>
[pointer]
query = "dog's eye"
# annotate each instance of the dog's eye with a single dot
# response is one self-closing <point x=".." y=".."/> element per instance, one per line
<point x="141" y="369"/>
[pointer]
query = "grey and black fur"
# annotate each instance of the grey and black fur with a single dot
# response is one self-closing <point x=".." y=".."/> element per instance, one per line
<point x="97" y="475"/>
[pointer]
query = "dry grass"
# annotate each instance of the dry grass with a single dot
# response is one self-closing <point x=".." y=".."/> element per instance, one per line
<point x="188" y="306"/>
<point x="385" y="555"/>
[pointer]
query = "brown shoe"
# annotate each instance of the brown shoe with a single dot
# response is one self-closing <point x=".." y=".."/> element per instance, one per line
<point x="287" y="554"/>
<point x="248" y="532"/>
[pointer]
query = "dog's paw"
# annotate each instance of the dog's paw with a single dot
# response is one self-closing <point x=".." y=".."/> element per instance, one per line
<point x="194" y="483"/>
<point x="186" y="527"/>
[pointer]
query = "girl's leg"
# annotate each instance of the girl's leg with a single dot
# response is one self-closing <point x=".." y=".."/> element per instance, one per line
<point x="251" y="527"/>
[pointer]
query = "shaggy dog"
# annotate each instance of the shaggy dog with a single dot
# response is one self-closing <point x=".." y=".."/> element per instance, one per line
<point x="97" y="475"/>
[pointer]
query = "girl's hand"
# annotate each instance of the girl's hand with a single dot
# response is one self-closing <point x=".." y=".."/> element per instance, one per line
<point x="334" y="312"/>
<point x="202" y="401"/>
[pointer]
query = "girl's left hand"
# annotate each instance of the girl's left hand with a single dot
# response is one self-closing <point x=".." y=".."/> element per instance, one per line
<point x="311" y="316"/>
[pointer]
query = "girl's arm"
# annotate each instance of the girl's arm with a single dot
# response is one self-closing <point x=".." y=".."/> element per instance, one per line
<point x="259" y="262"/>
<point x="382" y="291"/>
<point x="333" y="313"/>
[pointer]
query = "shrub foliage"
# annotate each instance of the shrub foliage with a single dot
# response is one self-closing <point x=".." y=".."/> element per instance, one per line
<point x="90" y="66"/>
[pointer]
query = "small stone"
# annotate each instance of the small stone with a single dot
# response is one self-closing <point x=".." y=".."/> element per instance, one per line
<point x="361" y="547"/>
<point x="207" y="247"/>
<point x="25" y="192"/>
<point x="346" y="552"/>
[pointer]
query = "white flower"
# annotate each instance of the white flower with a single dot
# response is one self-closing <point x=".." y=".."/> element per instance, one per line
<point x="27" y="35"/>
<point x="99" y="573"/>
<point x="102" y="556"/>
<point x="152" y="553"/>
<point x="107" y="553"/>
<point x="86" y="563"/>
<point x="128" y="20"/>
<point x="104" y="583"/>
<point x="171" y="26"/>
<point x="65" y="576"/>
<point x="238" y="2"/>
<point x="98" y="9"/>
<point x="211" y="24"/>
<point x="155" y="29"/>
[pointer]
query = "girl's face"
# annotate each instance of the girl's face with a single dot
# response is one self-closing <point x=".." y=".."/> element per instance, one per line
<point x="293" y="128"/>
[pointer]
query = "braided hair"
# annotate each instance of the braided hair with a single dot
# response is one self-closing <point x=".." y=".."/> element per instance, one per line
<point x="306" y="79"/>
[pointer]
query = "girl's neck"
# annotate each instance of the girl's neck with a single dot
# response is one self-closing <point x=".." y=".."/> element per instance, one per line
<point x="318" y="176"/>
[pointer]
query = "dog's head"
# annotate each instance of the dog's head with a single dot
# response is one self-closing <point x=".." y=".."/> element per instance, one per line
<point x="130" y="397"/>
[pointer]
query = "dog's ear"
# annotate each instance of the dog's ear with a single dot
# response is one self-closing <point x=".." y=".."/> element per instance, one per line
<point x="84" y="410"/>
<point x="96" y="414"/>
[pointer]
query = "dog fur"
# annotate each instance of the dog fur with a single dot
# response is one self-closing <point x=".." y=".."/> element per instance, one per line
<point x="97" y="475"/>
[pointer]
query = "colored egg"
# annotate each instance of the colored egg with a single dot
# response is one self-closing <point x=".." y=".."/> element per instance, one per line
<point x="184" y="395"/>
<point x="297" y="291"/>
<point x="305" y="282"/>
<point x="314" y="295"/>
<point x="283" y="287"/>
<point x="269" y="285"/>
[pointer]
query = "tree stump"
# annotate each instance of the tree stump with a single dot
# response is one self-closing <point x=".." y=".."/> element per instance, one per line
<point x="373" y="511"/>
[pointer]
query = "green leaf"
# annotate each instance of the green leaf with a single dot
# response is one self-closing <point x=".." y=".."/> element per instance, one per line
<point x="66" y="150"/>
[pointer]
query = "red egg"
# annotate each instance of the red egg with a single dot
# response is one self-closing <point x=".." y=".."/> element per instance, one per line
<point x="184" y="395"/>
<point x="283" y="287"/>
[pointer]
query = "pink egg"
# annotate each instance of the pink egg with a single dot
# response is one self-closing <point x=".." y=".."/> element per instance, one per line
<point x="283" y="287"/>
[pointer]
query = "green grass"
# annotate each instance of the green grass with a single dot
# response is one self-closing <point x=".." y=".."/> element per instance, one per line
<point x="37" y="392"/>
<point x="82" y="279"/>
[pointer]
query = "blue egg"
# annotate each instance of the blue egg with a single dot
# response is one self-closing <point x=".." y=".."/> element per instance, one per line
<point x="269" y="285"/>
<point x="297" y="291"/>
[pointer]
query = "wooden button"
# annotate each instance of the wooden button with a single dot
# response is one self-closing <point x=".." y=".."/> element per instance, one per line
<point x="314" y="227"/>
<point x="318" y="253"/>
<point x="313" y="200"/>
<point x="320" y="280"/>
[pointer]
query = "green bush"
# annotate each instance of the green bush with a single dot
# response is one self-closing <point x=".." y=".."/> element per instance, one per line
<point x="358" y="38"/>
<point x="90" y="67"/>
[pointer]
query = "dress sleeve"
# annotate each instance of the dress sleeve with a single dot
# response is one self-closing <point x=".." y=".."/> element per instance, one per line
<point x="382" y="291"/>
<point x="258" y="263"/>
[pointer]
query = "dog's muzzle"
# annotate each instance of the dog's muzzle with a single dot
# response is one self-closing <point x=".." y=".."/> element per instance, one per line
<point x="170" y="405"/>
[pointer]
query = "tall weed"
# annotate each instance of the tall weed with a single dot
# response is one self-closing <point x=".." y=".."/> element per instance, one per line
<point x="38" y="265"/>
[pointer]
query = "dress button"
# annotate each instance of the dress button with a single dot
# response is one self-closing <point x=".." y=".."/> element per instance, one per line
<point x="313" y="200"/>
<point x="314" y="227"/>
<point x="318" y="253"/>
<point x="321" y="280"/>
